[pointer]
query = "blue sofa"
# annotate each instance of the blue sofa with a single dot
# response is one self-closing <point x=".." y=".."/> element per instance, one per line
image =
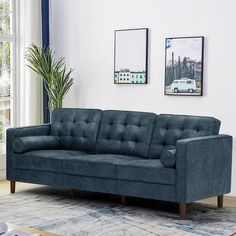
<point x="175" y="158"/>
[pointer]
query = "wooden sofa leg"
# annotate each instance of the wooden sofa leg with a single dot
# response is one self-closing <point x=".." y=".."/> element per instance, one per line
<point x="220" y="200"/>
<point x="182" y="210"/>
<point x="123" y="200"/>
<point x="13" y="186"/>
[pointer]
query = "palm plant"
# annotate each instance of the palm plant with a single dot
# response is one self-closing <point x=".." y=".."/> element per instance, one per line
<point x="57" y="80"/>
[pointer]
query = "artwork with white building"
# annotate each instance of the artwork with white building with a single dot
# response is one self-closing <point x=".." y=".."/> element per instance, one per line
<point x="131" y="53"/>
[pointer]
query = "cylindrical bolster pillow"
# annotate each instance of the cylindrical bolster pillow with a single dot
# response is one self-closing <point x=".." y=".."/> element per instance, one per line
<point x="30" y="143"/>
<point x="168" y="158"/>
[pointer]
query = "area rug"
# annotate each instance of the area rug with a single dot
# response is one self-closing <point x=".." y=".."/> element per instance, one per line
<point x="98" y="215"/>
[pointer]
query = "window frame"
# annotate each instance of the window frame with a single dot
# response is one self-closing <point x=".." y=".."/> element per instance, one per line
<point x="11" y="38"/>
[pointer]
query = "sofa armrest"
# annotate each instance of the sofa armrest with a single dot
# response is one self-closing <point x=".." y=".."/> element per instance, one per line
<point x="203" y="167"/>
<point x="13" y="133"/>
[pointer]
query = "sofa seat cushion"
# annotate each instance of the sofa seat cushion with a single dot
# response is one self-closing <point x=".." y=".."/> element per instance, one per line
<point x="30" y="143"/>
<point x="44" y="160"/>
<point x="103" y="165"/>
<point x="150" y="171"/>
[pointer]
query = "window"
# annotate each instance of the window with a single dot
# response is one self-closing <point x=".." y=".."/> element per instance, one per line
<point x="189" y="82"/>
<point x="7" y="43"/>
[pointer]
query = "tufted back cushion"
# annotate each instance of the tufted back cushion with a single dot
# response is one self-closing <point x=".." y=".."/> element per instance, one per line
<point x="77" y="128"/>
<point x="170" y="128"/>
<point x="125" y="132"/>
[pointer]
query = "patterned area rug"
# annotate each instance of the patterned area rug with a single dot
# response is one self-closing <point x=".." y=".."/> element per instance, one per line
<point x="91" y="214"/>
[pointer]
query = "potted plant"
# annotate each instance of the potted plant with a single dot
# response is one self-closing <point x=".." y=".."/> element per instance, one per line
<point x="57" y="79"/>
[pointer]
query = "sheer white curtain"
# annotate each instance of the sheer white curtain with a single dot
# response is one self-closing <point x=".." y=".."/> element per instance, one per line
<point x="29" y="89"/>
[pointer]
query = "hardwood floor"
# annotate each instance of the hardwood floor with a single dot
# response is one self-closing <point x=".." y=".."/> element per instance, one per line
<point x="30" y="230"/>
<point x="228" y="201"/>
<point x="5" y="189"/>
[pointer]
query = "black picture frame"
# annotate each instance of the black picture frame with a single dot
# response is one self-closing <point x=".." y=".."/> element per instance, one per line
<point x="139" y="74"/>
<point x="194" y="65"/>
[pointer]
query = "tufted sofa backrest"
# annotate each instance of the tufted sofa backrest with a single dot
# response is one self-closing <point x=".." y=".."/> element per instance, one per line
<point x="171" y="128"/>
<point x="125" y="132"/>
<point x="77" y="128"/>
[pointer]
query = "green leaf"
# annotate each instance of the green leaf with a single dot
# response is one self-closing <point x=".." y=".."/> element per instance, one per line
<point x="57" y="78"/>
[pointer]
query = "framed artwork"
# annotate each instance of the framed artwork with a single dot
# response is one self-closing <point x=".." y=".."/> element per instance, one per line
<point x="131" y="56"/>
<point x="184" y="66"/>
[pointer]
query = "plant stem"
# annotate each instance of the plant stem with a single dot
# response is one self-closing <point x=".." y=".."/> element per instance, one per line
<point x="59" y="103"/>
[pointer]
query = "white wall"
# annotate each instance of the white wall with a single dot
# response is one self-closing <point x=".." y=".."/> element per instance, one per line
<point x="2" y="166"/>
<point x="83" y="32"/>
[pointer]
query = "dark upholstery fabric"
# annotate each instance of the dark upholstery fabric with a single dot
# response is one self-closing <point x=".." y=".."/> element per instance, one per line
<point x="26" y="144"/>
<point x="125" y="133"/>
<point x="76" y="128"/>
<point x="146" y="190"/>
<point x="171" y="128"/>
<point x="44" y="160"/>
<point x="168" y="158"/>
<point x="129" y="159"/>
<point x="39" y="177"/>
<point x="93" y="184"/>
<point x="95" y="165"/>
<point x="13" y="134"/>
<point x="203" y="167"/>
<point x="150" y="171"/>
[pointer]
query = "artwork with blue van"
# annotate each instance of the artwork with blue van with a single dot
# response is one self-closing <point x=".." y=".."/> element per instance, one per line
<point x="184" y="66"/>
<point x="131" y="49"/>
